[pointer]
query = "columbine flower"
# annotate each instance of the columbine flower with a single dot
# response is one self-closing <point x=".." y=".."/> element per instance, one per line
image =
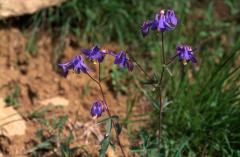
<point x="122" y="60"/>
<point x="146" y="27"/>
<point x="94" y="54"/>
<point x="166" y="22"/>
<point x="97" y="109"/>
<point x="77" y="64"/>
<point x="162" y="22"/>
<point x="185" y="54"/>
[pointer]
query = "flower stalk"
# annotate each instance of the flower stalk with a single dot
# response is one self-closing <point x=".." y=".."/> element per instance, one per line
<point x="98" y="82"/>
<point x="160" y="94"/>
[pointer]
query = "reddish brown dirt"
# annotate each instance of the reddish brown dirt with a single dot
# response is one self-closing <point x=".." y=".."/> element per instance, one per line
<point x="38" y="81"/>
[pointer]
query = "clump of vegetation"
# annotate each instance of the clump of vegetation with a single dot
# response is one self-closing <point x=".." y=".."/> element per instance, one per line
<point x="53" y="138"/>
<point x="12" y="98"/>
<point x="199" y="104"/>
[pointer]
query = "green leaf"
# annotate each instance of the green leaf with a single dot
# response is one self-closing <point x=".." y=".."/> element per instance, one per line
<point x="114" y="117"/>
<point x="39" y="113"/>
<point x="59" y="122"/>
<point x="12" y="98"/>
<point x="39" y="133"/>
<point x="43" y="145"/>
<point x="44" y="122"/>
<point x="108" y="127"/>
<point x="104" y="146"/>
<point x="65" y="150"/>
<point x="65" y="147"/>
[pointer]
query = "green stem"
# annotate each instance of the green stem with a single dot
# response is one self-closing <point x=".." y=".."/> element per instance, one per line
<point x="99" y="72"/>
<point x="160" y="97"/>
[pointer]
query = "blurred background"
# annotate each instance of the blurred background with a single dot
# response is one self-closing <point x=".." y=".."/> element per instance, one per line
<point x="44" y="114"/>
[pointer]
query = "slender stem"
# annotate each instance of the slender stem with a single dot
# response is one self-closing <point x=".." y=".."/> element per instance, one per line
<point x="160" y="97"/>
<point x="114" y="124"/>
<point x="99" y="72"/>
<point x="107" y="109"/>
<point x="92" y="78"/>
<point x="144" y="72"/>
<point x="171" y="60"/>
<point x="163" y="54"/>
<point x="140" y="67"/>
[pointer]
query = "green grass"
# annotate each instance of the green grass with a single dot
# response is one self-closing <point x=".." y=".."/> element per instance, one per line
<point x="203" y="118"/>
<point x="12" y="99"/>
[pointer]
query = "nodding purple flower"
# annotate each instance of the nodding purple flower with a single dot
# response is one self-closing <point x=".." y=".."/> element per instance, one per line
<point x="185" y="54"/>
<point x="162" y="22"/>
<point x="76" y="64"/>
<point x="97" y="109"/>
<point x="122" y="60"/>
<point x="146" y="27"/>
<point x="94" y="54"/>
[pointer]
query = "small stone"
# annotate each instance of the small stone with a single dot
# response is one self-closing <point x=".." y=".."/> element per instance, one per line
<point x="55" y="101"/>
<point x="11" y="122"/>
<point x="21" y="7"/>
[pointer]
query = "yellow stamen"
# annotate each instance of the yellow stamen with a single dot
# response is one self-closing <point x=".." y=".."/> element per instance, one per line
<point x="95" y="62"/>
<point x="184" y="62"/>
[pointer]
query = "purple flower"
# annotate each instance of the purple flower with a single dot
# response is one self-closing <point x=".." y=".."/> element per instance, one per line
<point x="165" y="22"/>
<point x="162" y="22"/>
<point x="146" y="27"/>
<point x="122" y="60"/>
<point x="76" y="64"/>
<point x="185" y="54"/>
<point x="94" y="54"/>
<point x="97" y="109"/>
<point x="171" y="18"/>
